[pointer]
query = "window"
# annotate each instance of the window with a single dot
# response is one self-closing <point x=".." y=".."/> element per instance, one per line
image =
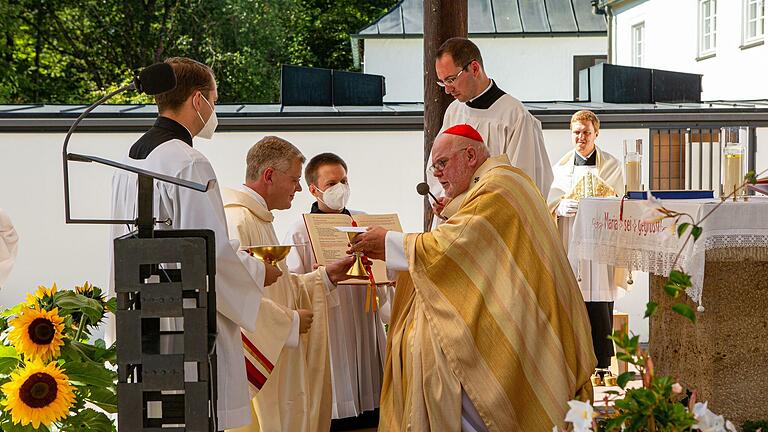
<point x="754" y="21"/>
<point x="638" y="39"/>
<point x="707" y="27"/>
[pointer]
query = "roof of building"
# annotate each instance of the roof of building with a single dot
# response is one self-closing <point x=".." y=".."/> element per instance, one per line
<point x="390" y="116"/>
<point x="496" y="17"/>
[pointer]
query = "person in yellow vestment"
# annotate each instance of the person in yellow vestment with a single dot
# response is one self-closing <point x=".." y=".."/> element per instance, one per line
<point x="287" y="357"/>
<point x="488" y="329"/>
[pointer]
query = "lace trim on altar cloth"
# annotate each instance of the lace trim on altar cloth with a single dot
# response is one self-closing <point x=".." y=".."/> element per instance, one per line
<point x="739" y="246"/>
<point x="757" y="241"/>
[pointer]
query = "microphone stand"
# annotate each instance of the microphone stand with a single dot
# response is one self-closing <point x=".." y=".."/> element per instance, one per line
<point x="67" y="157"/>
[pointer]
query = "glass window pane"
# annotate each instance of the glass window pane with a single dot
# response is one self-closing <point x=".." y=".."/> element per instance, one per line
<point x="413" y="16"/>
<point x="391" y="23"/>
<point x="534" y="16"/>
<point x="479" y="17"/>
<point x="506" y="16"/>
<point x="586" y="20"/>
<point x="561" y="17"/>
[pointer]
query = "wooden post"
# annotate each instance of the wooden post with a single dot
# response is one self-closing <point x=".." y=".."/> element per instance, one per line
<point x="443" y="19"/>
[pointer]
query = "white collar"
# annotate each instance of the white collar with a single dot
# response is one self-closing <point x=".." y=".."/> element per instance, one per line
<point x="483" y="92"/>
<point x="255" y="195"/>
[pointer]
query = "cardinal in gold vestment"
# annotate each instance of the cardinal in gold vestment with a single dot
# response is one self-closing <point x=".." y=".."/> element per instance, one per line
<point x="488" y="326"/>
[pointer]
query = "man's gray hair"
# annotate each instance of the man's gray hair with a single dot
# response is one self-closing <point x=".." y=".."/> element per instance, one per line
<point x="270" y="151"/>
<point x="462" y="142"/>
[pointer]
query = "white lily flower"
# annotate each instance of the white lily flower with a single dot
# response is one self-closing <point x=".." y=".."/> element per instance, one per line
<point x="651" y="208"/>
<point x="580" y="415"/>
<point x="707" y="421"/>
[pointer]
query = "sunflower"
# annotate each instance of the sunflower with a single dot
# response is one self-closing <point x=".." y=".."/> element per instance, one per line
<point x="94" y="293"/>
<point x="86" y="289"/>
<point x="43" y="296"/>
<point x="38" y="333"/>
<point x="38" y="394"/>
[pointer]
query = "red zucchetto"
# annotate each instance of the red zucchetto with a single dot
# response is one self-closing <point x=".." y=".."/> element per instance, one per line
<point x="464" y="130"/>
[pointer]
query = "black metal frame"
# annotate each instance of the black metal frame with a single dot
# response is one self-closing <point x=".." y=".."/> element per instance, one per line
<point x="152" y="362"/>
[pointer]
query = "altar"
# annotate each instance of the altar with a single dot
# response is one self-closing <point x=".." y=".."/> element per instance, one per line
<point x="722" y="355"/>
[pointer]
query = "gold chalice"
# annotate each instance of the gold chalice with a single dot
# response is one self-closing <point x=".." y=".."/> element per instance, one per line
<point x="357" y="269"/>
<point x="271" y="254"/>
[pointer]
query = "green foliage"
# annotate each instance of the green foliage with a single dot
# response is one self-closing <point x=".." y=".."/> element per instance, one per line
<point x="684" y="310"/>
<point x="750" y="177"/>
<point x="650" y="309"/>
<point x="654" y="406"/>
<point x="60" y="51"/>
<point x="646" y="406"/>
<point x="88" y="420"/>
<point x="677" y="283"/>
<point x="88" y="365"/>
<point x="755" y="426"/>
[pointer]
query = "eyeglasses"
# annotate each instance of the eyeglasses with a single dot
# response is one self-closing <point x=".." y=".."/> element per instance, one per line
<point x="448" y="81"/>
<point x="295" y="180"/>
<point x="439" y="165"/>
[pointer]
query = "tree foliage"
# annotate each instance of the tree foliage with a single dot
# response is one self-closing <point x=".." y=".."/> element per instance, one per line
<point x="73" y="51"/>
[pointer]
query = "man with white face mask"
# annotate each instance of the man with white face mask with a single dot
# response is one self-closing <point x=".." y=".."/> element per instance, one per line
<point x="185" y="112"/>
<point x="357" y="339"/>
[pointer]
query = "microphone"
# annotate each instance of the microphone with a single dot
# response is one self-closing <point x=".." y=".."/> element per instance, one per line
<point x="155" y="79"/>
<point x="423" y="190"/>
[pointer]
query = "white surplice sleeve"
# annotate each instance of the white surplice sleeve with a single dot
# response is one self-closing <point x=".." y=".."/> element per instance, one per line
<point x="394" y="251"/>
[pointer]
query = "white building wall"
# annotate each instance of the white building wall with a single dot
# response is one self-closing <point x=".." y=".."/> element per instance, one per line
<point x="530" y="69"/>
<point x="671" y="35"/>
<point x="384" y="169"/>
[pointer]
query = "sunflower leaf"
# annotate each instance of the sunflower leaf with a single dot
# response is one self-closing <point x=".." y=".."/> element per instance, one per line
<point x="8" y="365"/>
<point x="103" y="397"/>
<point x="88" y="420"/>
<point x="95" y="353"/>
<point x="70" y="302"/>
<point x="13" y="311"/>
<point x="89" y="373"/>
<point x="111" y="305"/>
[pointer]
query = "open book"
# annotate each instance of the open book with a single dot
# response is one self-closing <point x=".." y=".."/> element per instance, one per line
<point x="330" y="244"/>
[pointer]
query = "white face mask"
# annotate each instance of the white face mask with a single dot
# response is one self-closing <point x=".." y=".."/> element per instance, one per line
<point x="336" y="196"/>
<point x="208" y="126"/>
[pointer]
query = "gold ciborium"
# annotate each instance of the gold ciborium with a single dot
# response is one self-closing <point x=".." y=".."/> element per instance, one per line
<point x="357" y="269"/>
<point x="271" y="254"/>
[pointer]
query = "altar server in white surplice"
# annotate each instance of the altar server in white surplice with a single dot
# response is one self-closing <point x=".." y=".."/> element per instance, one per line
<point x="357" y="340"/>
<point x="503" y="122"/>
<point x="583" y="172"/>
<point x="188" y="111"/>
